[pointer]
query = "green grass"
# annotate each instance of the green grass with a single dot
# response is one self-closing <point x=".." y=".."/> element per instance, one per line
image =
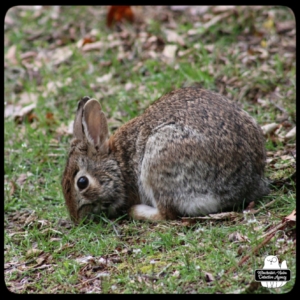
<point x="128" y="256"/>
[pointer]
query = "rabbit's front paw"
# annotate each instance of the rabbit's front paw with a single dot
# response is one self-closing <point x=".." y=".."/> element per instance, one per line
<point x="145" y="212"/>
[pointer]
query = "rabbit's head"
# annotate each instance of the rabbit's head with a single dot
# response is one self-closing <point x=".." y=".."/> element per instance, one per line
<point x="91" y="182"/>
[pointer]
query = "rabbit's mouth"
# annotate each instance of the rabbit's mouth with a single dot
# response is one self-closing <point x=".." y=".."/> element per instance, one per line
<point x="93" y="211"/>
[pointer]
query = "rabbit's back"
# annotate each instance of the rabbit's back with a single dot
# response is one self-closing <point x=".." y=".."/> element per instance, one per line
<point x="198" y="153"/>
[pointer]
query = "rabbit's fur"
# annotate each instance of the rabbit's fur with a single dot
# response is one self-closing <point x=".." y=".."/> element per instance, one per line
<point x="193" y="152"/>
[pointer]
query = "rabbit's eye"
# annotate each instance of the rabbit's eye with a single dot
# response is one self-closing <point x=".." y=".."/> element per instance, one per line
<point x="82" y="182"/>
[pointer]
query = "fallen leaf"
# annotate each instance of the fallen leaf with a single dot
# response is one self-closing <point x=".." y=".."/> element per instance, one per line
<point x="129" y="86"/>
<point x="60" y="55"/>
<point x="32" y="117"/>
<point x="50" y="120"/>
<point x="85" y="259"/>
<point x="291" y="134"/>
<point x="88" y="40"/>
<point x="21" y="179"/>
<point x="33" y="253"/>
<point x="12" y="188"/>
<point x="283" y="27"/>
<point x="26" y="98"/>
<point x="29" y="220"/>
<point x="169" y="51"/>
<point x="11" y="110"/>
<point x="264" y="103"/>
<point x="237" y="237"/>
<point x="269" y="24"/>
<point x="179" y="7"/>
<point x="222" y="8"/>
<point x="291" y="217"/>
<point x="40" y="260"/>
<point x="11" y="55"/>
<point x="43" y="223"/>
<point x="25" y="111"/>
<point x="174" y="37"/>
<point x="28" y="54"/>
<point x="119" y="13"/>
<point x="199" y="10"/>
<point x="215" y="20"/>
<point x="269" y="128"/>
<point x="104" y="78"/>
<point x="52" y="88"/>
<point x="92" y="46"/>
<point x="209" y="277"/>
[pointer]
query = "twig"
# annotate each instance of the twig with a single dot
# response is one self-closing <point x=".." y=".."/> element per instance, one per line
<point x="254" y="251"/>
<point x="273" y="230"/>
<point x="91" y="279"/>
<point x="164" y="269"/>
<point x="258" y="210"/>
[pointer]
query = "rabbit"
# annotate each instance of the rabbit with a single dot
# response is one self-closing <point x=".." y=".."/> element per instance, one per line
<point x="193" y="152"/>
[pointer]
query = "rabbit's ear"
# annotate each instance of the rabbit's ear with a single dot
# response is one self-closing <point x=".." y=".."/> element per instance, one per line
<point x="77" y="127"/>
<point x="95" y="125"/>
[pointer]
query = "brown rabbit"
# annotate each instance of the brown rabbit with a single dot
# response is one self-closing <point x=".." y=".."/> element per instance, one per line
<point x="193" y="152"/>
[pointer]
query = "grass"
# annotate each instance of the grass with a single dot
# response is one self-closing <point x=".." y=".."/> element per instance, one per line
<point x="44" y="252"/>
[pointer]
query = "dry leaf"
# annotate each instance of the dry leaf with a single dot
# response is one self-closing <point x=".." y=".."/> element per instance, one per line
<point x="291" y="217"/>
<point x="85" y="259"/>
<point x="12" y="188"/>
<point x="88" y="40"/>
<point x="209" y="277"/>
<point x="24" y="112"/>
<point x="50" y="120"/>
<point x="26" y="98"/>
<point x="283" y="27"/>
<point x="222" y="8"/>
<point x="104" y="78"/>
<point x="179" y="7"/>
<point x="237" y="237"/>
<point x="28" y="54"/>
<point x="215" y="20"/>
<point x="21" y="179"/>
<point x="52" y="88"/>
<point x="269" y="128"/>
<point x="11" y="110"/>
<point x="92" y="46"/>
<point x="174" y="37"/>
<point x="60" y="55"/>
<point x="43" y="223"/>
<point x="129" y="86"/>
<point x="30" y="219"/>
<point x="291" y="134"/>
<point x="119" y="13"/>
<point x="11" y="55"/>
<point x="33" y="252"/>
<point x="40" y="260"/>
<point x="169" y="51"/>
